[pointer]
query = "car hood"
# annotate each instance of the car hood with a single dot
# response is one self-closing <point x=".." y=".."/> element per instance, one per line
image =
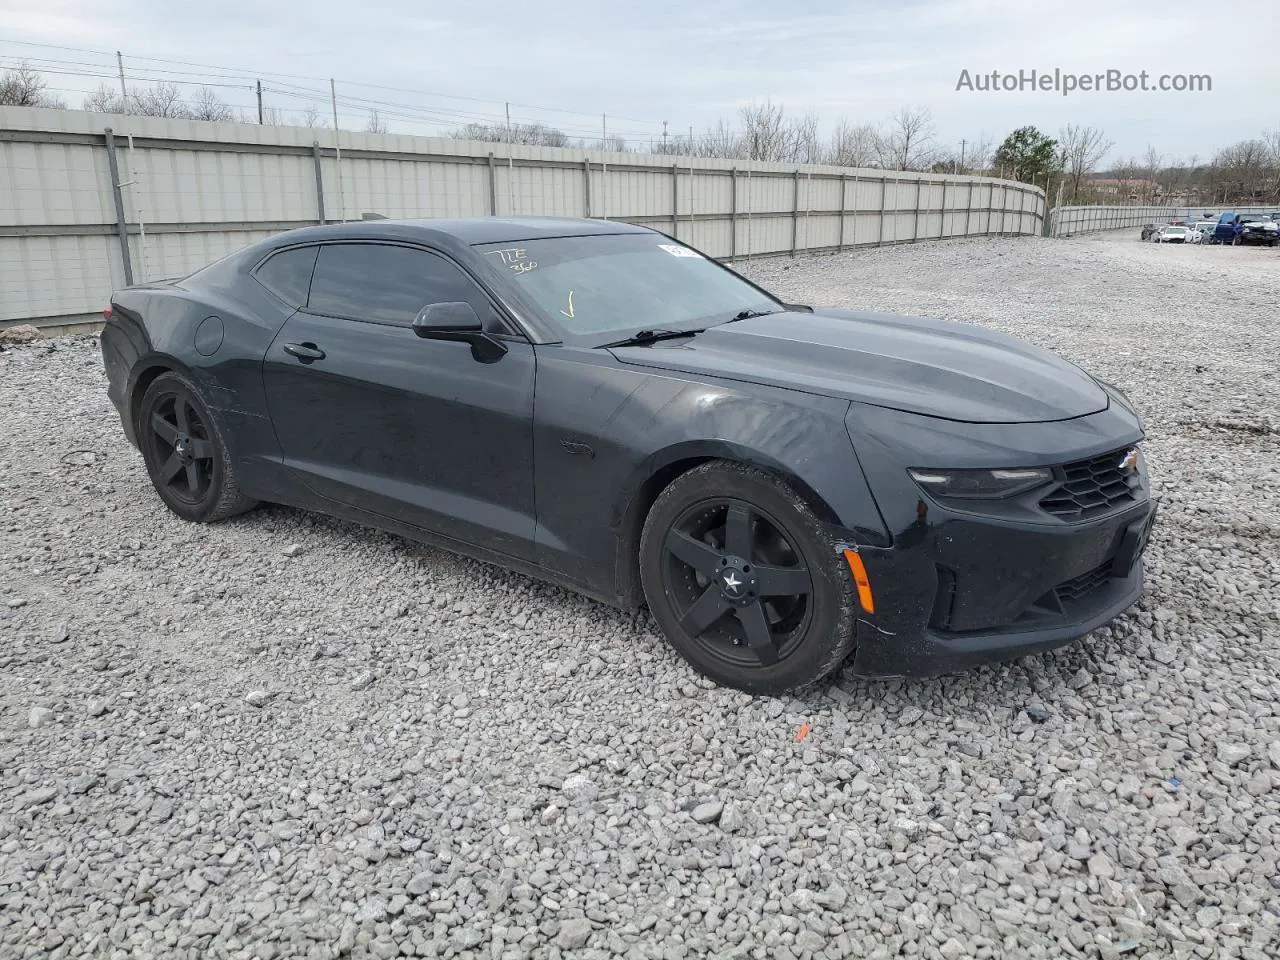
<point x="954" y="371"/>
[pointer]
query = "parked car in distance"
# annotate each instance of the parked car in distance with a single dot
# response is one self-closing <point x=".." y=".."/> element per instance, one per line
<point x="601" y="406"/>
<point x="1246" y="228"/>
<point x="1201" y="231"/>
<point x="1171" y="233"/>
<point x="1149" y="230"/>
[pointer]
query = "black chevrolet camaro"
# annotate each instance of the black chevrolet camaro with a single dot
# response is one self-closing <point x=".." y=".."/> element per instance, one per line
<point x="598" y="405"/>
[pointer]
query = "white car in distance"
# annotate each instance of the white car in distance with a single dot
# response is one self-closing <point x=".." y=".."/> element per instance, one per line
<point x="1173" y="234"/>
<point x="1201" y="230"/>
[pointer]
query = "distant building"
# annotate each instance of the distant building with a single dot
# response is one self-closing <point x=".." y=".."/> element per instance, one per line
<point x="1127" y="188"/>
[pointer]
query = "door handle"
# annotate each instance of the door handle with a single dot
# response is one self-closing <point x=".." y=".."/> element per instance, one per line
<point x="306" y="352"/>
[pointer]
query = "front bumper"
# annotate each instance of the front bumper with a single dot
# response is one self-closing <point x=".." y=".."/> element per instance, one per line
<point x="964" y="591"/>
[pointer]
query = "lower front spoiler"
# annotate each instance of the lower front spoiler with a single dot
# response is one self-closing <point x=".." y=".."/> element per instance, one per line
<point x="932" y="654"/>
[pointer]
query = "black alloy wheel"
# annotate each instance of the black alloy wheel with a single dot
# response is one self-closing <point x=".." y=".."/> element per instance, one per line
<point x="738" y="577"/>
<point x="184" y="452"/>
<point x="735" y="581"/>
<point x="183" y="448"/>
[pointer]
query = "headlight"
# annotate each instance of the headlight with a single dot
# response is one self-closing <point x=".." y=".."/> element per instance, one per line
<point x="980" y="484"/>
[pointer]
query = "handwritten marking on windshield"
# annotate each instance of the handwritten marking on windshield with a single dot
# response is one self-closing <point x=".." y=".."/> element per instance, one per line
<point x="568" y="314"/>
<point x="516" y="258"/>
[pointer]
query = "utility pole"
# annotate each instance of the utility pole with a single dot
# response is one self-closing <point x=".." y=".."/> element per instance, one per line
<point x="124" y="95"/>
<point x="962" y="143"/>
<point x="664" y="136"/>
<point x="337" y="151"/>
<point x="604" y="131"/>
<point x="511" y="168"/>
<point x="259" y="101"/>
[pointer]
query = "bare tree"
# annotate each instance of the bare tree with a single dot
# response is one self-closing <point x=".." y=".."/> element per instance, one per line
<point x="207" y="105"/>
<point x="805" y="147"/>
<point x="1243" y="172"/>
<point x="1082" y="150"/>
<point x="764" y="133"/>
<point x="1152" y="164"/>
<point x="977" y="155"/>
<point x="529" y="134"/>
<point x="375" y="123"/>
<point x="23" y="87"/>
<point x="1271" y="140"/>
<point x="721" y="141"/>
<point x="852" y="146"/>
<point x="160" y="100"/>
<point x="311" y="118"/>
<point x="104" y="100"/>
<point x="1125" y="172"/>
<point x="906" y="144"/>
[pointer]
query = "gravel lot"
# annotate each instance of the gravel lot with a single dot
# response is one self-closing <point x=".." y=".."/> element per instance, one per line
<point x="283" y="736"/>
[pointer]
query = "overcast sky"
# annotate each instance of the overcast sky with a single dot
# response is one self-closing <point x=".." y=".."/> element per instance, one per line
<point x="693" y="62"/>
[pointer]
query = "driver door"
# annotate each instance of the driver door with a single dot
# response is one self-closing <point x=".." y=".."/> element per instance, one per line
<point x="372" y="416"/>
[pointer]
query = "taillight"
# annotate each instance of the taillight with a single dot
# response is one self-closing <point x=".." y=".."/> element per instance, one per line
<point x="106" y="312"/>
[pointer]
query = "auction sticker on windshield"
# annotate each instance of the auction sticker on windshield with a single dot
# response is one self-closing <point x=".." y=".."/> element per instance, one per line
<point x="678" y="251"/>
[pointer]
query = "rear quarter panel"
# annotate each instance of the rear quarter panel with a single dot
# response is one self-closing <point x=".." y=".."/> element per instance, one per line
<point x="214" y="329"/>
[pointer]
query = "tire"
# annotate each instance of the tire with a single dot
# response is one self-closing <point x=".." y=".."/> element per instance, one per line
<point x="185" y="454"/>
<point x="764" y="642"/>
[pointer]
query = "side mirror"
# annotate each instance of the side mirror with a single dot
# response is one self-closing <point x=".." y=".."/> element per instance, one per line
<point x="457" y="321"/>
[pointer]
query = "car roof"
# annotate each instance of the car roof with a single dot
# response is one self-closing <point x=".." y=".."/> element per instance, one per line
<point x="451" y="232"/>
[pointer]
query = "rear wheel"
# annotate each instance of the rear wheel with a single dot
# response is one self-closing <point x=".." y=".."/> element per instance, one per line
<point x="743" y="582"/>
<point x="185" y="455"/>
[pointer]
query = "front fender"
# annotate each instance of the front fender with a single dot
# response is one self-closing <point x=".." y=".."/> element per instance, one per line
<point x="609" y="436"/>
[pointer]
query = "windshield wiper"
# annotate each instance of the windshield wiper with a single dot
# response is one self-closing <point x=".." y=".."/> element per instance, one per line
<point x="650" y="336"/>
<point x="748" y="314"/>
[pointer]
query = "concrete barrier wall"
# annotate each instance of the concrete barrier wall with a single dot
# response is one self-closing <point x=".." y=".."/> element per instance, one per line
<point x="91" y="202"/>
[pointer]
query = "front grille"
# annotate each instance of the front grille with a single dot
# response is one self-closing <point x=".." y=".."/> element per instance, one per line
<point x="1092" y="488"/>
<point x="1083" y="585"/>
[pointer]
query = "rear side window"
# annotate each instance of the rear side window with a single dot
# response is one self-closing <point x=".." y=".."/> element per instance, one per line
<point x="288" y="274"/>
<point x="380" y="283"/>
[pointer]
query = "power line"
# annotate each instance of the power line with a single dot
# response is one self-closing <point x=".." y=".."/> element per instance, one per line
<point x="112" y="76"/>
<point x="394" y="109"/>
<point x="239" y="72"/>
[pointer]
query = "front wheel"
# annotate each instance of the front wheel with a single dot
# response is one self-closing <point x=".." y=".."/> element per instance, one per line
<point x="185" y="453"/>
<point x="743" y="581"/>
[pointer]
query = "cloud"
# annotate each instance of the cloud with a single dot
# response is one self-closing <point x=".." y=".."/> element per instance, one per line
<point x="693" y="63"/>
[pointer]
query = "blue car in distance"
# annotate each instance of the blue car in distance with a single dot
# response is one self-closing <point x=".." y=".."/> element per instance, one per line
<point x="1240" y="228"/>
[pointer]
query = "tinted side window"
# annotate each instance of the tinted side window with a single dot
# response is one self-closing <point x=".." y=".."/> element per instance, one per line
<point x="288" y="274"/>
<point x="387" y="284"/>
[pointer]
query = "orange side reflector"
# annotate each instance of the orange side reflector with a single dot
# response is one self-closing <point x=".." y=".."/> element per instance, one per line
<point x="860" y="580"/>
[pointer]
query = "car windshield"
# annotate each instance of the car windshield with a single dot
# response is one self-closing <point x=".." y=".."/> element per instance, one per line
<point x="603" y="288"/>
